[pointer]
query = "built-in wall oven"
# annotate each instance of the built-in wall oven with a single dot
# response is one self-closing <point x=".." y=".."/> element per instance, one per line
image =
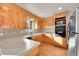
<point x="60" y="26"/>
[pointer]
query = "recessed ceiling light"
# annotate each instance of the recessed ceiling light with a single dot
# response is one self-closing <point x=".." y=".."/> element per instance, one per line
<point x="60" y="8"/>
<point x="42" y="14"/>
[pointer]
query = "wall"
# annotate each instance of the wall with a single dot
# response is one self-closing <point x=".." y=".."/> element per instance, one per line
<point x="12" y="16"/>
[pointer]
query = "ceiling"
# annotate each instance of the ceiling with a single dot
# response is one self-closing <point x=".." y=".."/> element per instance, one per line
<point x="44" y="10"/>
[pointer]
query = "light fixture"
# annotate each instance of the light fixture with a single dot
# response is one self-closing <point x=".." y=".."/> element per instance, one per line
<point x="42" y="14"/>
<point x="60" y="8"/>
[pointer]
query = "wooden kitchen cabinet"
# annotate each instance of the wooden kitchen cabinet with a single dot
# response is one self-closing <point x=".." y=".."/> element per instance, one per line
<point x="13" y="17"/>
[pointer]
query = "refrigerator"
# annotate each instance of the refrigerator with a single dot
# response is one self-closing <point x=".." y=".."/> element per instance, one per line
<point x="73" y="34"/>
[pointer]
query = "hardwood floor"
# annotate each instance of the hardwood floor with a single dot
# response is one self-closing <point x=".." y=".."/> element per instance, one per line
<point x="51" y="50"/>
<point x="46" y="50"/>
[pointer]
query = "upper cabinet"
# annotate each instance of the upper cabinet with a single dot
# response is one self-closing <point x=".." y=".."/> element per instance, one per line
<point x="15" y="17"/>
